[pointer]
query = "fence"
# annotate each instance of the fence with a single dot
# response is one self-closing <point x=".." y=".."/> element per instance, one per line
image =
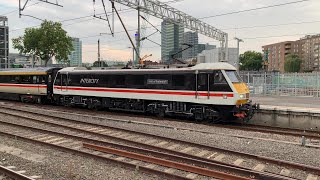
<point x="283" y="84"/>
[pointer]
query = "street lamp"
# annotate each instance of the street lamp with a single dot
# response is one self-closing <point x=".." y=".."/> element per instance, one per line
<point x="238" y="59"/>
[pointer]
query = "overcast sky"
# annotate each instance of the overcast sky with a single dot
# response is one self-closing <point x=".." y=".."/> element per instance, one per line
<point x="292" y="22"/>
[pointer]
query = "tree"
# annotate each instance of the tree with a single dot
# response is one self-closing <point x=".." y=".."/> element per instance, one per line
<point x="251" y="61"/>
<point x="292" y="63"/>
<point x="47" y="41"/>
<point x="102" y="64"/>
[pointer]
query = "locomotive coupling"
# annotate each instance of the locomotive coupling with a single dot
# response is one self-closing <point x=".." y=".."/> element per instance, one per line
<point x="246" y="111"/>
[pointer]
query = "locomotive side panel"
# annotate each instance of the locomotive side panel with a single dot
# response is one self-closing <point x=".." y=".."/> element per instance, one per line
<point x="180" y="87"/>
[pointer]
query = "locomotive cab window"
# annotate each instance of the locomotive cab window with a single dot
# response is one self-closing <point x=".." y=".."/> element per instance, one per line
<point x="57" y="81"/>
<point x="219" y="83"/>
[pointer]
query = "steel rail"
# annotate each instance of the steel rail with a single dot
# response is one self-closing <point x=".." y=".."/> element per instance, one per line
<point x="167" y="163"/>
<point x="169" y="154"/>
<point x="12" y="174"/>
<point x="316" y="170"/>
<point x="239" y="126"/>
<point x="274" y="130"/>
<point x="97" y="157"/>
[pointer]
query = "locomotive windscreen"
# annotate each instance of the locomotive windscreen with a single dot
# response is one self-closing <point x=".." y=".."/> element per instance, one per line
<point x="233" y="76"/>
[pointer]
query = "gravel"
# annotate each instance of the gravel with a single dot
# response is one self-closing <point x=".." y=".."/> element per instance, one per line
<point x="282" y="151"/>
<point x="174" y="123"/>
<point x="61" y="165"/>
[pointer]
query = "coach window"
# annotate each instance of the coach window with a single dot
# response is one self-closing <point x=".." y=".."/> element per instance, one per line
<point x="17" y="79"/>
<point x="34" y="79"/>
<point x="42" y="80"/>
<point x="26" y="79"/>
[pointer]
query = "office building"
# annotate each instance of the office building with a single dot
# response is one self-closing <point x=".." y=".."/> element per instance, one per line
<point x="171" y="40"/>
<point x="207" y="46"/>
<point x="4" y="42"/>
<point x="190" y="39"/>
<point x="76" y="55"/>
<point x="212" y="56"/>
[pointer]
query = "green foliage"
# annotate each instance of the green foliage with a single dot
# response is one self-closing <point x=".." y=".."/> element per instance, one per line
<point x="16" y="66"/>
<point x="102" y="64"/>
<point x="292" y="63"/>
<point x="251" y="61"/>
<point x="48" y="41"/>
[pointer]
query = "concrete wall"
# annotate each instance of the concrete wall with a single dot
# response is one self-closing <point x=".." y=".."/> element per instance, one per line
<point x="287" y="118"/>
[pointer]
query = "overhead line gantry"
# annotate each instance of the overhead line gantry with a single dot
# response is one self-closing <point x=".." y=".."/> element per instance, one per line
<point x="163" y="11"/>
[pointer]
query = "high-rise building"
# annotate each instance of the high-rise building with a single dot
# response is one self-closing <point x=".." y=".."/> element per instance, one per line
<point x="207" y="46"/>
<point x="192" y="39"/>
<point x="4" y="42"/>
<point x="171" y="40"/>
<point x="76" y="55"/>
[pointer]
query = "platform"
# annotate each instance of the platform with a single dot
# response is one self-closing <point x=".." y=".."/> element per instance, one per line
<point x="288" y="112"/>
<point x="288" y="101"/>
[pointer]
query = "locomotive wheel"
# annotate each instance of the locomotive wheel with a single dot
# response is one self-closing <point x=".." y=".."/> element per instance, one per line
<point x="198" y="117"/>
<point x="38" y="100"/>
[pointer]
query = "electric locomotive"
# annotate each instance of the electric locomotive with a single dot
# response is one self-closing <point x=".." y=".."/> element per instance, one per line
<point x="206" y="91"/>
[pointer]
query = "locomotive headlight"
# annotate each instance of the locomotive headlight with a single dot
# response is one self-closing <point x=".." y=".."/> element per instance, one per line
<point x="242" y="96"/>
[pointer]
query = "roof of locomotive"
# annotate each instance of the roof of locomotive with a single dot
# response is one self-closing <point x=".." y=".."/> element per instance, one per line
<point x="26" y="71"/>
<point x="199" y="67"/>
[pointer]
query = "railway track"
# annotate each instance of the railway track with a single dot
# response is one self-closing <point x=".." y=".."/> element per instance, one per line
<point x="18" y="175"/>
<point x="167" y="145"/>
<point x="75" y="144"/>
<point x="237" y="126"/>
<point x="312" y="136"/>
<point x="275" y="130"/>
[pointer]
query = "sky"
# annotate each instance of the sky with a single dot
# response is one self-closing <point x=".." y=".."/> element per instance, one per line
<point x="256" y="27"/>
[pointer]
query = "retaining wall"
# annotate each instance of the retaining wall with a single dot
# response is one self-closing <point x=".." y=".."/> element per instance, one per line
<point x="299" y="118"/>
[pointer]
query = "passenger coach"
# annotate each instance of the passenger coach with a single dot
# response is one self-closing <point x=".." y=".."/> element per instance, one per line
<point x="211" y="91"/>
<point x="27" y="84"/>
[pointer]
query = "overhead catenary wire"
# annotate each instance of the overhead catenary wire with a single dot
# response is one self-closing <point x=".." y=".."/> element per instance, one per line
<point x="121" y="11"/>
<point x="254" y="9"/>
<point x="105" y="11"/>
<point x="18" y="9"/>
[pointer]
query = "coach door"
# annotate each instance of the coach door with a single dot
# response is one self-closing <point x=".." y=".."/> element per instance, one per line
<point x="64" y="82"/>
<point x="202" y="88"/>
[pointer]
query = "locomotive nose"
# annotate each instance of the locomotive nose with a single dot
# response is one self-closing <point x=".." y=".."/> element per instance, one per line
<point x="243" y="93"/>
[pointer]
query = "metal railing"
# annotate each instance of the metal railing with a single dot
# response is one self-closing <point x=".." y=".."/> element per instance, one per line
<point x="283" y="84"/>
